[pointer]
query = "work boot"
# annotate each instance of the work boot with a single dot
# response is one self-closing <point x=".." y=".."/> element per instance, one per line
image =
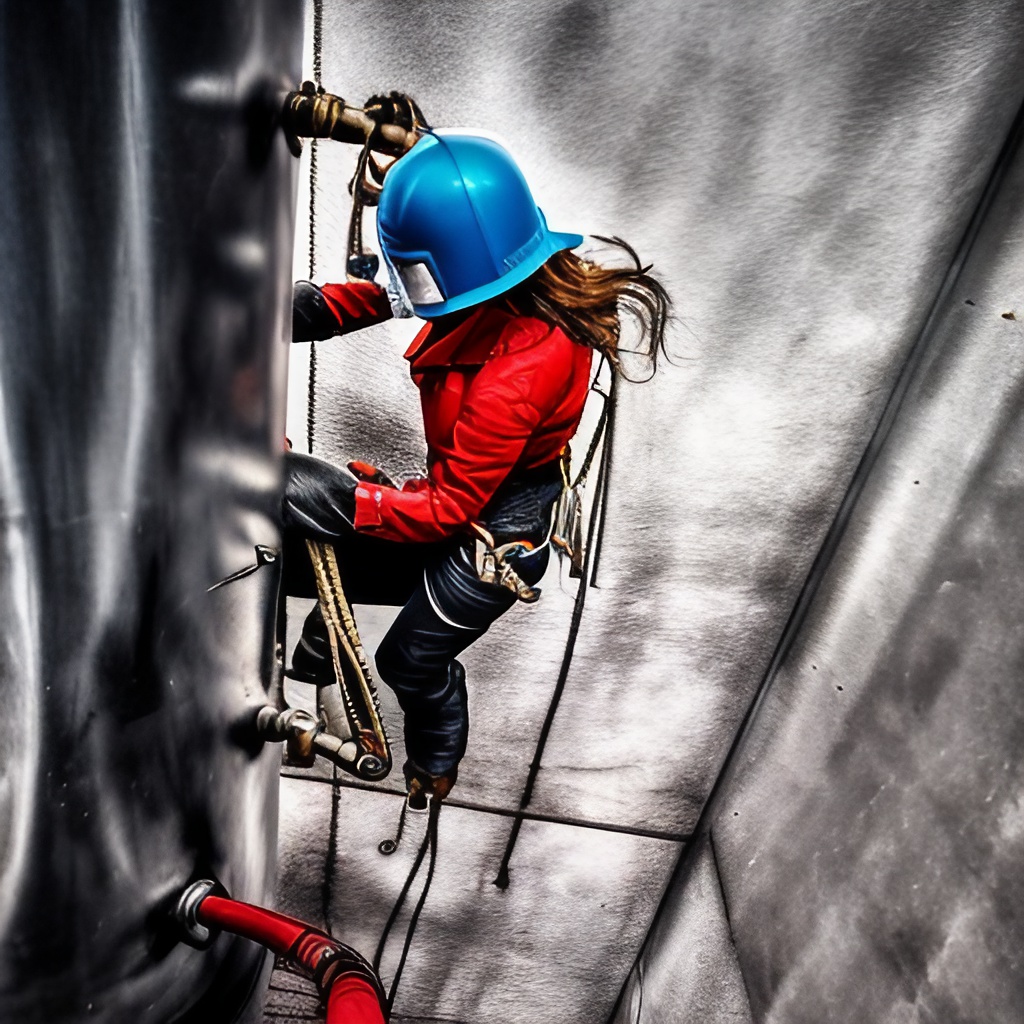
<point x="422" y="786"/>
<point x="312" y="661"/>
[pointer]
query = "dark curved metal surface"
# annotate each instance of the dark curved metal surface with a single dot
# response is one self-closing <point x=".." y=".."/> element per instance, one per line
<point x="145" y="242"/>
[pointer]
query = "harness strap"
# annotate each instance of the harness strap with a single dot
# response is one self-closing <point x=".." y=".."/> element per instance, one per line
<point x="567" y="534"/>
<point x="492" y="567"/>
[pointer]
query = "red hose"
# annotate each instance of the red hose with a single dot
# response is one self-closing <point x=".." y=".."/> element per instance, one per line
<point x="270" y="929"/>
<point x="353" y="1001"/>
<point x="351" y="997"/>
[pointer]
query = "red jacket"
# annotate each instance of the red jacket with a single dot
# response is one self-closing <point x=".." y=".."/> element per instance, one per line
<point x="499" y="392"/>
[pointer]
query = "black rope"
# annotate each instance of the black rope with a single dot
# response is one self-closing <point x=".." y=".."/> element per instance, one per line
<point x="501" y="880"/>
<point x="327" y="887"/>
<point x="318" y="38"/>
<point x="435" y="812"/>
<point x="318" y="34"/>
<point x="389" y="846"/>
<point x="429" y="843"/>
<point x="609" y="434"/>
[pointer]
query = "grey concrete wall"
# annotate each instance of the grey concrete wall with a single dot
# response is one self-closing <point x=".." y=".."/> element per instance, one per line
<point x="869" y="832"/>
<point x="800" y="174"/>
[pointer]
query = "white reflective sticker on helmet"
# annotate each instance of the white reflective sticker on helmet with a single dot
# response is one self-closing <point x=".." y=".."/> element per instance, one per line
<point x="401" y="307"/>
<point x="420" y="284"/>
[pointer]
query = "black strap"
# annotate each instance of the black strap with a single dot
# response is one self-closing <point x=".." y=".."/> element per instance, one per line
<point x="595" y="440"/>
<point x="587" y="579"/>
<point x="596" y="535"/>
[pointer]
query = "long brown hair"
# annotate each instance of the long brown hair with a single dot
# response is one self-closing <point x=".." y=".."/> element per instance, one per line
<point x="587" y="300"/>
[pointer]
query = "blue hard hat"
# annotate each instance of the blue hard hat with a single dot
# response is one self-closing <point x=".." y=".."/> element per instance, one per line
<point x="458" y="225"/>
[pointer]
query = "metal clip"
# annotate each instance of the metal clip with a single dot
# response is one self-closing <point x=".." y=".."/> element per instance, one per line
<point x="492" y="567"/>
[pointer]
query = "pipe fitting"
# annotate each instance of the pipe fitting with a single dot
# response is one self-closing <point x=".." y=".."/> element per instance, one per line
<point x="297" y="728"/>
<point x="186" y="913"/>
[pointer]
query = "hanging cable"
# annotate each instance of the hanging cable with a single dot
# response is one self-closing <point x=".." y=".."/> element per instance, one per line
<point x="595" y="527"/>
<point x="318" y="33"/>
<point x="327" y="886"/>
<point x="429" y="843"/>
<point x="609" y="433"/>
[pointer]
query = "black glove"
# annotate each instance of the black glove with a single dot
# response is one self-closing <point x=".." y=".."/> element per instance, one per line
<point x="399" y="122"/>
<point x="395" y="108"/>
<point x="319" y="499"/>
<point x="312" y="318"/>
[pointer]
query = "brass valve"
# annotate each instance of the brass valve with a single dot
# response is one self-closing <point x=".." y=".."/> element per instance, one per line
<point x="388" y="124"/>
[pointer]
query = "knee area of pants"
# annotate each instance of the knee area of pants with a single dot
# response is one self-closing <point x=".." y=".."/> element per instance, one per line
<point x="397" y="669"/>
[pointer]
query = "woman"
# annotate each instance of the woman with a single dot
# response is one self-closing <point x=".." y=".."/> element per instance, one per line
<point x="503" y="368"/>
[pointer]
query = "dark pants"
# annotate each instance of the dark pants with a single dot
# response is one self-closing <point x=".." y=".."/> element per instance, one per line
<point x="445" y="607"/>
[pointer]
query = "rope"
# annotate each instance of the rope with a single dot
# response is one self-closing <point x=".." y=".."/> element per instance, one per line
<point x="591" y="550"/>
<point x="429" y="843"/>
<point x="588" y="459"/>
<point x="388" y="846"/>
<point x="609" y="434"/>
<point x="318" y="40"/>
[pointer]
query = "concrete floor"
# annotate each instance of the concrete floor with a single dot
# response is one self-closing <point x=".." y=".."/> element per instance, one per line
<point x="526" y="957"/>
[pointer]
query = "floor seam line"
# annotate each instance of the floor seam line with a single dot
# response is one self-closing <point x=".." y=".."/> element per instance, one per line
<point x="523" y="815"/>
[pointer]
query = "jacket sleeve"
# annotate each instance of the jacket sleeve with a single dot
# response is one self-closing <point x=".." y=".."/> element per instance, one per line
<point x="323" y="312"/>
<point x="506" y="402"/>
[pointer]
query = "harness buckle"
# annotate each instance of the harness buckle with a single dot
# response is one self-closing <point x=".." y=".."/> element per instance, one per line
<point x="492" y="565"/>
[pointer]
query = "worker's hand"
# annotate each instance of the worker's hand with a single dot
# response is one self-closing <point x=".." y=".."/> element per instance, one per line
<point x="399" y="121"/>
<point x="312" y="318"/>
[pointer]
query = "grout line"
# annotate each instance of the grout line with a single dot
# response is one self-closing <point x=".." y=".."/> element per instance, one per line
<point x="467" y="805"/>
<point x="426" y="1020"/>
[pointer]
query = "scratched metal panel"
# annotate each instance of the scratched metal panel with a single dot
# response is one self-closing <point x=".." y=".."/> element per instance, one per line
<point x="871" y="836"/>
<point x="800" y="174"/>
<point x="145" y="225"/>
<point x="556" y="945"/>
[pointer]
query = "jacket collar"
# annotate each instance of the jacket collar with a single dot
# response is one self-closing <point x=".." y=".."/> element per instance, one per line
<point x="468" y="344"/>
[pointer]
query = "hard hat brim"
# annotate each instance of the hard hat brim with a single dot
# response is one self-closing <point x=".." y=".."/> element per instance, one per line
<point x="550" y="243"/>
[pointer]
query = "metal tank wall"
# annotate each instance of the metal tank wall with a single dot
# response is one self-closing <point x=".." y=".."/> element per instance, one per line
<point x="802" y="176"/>
<point x="146" y="221"/>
